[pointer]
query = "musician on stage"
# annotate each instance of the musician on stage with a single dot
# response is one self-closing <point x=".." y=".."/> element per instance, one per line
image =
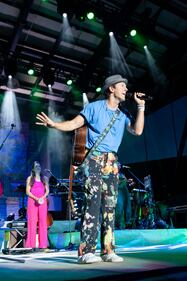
<point x="37" y="190"/>
<point x="123" y="206"/>
<point x="101" y="168"/>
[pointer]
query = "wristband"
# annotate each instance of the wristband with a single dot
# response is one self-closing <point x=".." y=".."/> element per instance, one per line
<point x="141" y="107"/>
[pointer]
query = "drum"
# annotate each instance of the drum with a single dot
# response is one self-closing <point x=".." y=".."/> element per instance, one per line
<point x="138" y="196"/>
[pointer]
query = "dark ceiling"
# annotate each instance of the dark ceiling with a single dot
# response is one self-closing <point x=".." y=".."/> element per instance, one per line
<point x="33" y="33"/>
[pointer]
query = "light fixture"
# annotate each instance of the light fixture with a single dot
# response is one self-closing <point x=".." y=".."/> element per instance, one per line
<point x="48" y="76"/>
<point x="65" y="7"/>
<point x="98" y="89"/>
<point x="90" y="15"/>
<point x="10" y="66"/>
<point x="80" y="15"/>
<point x="30" y="71"/>
<point x="69" y="82"/>
<point x="133" y="32"/>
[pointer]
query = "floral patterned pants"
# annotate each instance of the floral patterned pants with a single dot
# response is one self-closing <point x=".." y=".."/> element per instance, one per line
<point x="101" y="183"/>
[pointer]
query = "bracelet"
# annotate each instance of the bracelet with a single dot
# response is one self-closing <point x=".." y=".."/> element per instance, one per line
<point x="141" y="107"/>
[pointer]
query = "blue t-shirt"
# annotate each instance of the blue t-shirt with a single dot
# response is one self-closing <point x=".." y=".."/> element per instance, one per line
<point x="98" y="115"/>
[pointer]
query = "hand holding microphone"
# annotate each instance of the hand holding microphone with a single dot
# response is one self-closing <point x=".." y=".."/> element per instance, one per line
<point x="143" y="97"/>
<point x="40" y="201"/>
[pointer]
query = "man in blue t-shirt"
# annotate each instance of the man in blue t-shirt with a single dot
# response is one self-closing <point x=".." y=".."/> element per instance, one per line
<point x="101" y="167"/>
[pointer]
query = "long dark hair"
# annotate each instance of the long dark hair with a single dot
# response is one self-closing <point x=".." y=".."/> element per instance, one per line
<point x="33" y="175"/>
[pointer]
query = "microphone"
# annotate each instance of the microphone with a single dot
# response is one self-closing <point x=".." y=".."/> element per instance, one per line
<point x="127" y="167"/>
<point x="13" y="125"/>
<point x="146" y="97"/>
<point x="47" y="170"/>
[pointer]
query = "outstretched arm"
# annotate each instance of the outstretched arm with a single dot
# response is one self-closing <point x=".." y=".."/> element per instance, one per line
<point x="71" y="125"/>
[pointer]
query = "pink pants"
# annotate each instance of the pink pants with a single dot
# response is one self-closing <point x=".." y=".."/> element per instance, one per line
<point x="36" y="213"/>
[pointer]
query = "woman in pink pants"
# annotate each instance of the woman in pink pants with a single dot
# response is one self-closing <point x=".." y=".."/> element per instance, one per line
<point x="37" y="190"/>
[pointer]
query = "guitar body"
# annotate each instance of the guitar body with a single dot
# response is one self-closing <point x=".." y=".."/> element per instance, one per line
<point x="79" y="146"/>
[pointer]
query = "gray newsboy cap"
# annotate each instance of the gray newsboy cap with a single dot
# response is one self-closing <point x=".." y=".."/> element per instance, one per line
<point x="111" y="80"/>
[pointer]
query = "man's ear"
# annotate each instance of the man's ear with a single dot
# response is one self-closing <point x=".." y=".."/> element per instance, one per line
<point x="111" y="89"/>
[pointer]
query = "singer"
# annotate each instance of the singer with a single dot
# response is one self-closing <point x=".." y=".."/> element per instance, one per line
<point x="106" y="124"/>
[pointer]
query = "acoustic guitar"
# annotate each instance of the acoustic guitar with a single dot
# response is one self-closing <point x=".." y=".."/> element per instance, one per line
<point x="79" y="146"/>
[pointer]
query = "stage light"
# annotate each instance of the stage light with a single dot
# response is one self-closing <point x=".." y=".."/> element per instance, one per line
<point x="98" y="89"/>
<point x="133" y="32"/>
<point x="48" y="77"/>
<point x="12" y="83"/>
<point x="30" y="71"/>
<point x="90" y="15"/>
<point x="10" y="67"/>
<point x="81" y="18"/>
<point x="65" y="7"/>
<point x="80" y="15"/>
<point x="69" y="82"/>
<point x="84" y="12"/>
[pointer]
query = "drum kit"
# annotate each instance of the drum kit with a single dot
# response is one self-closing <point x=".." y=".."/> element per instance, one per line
<point x="146" y="213"/>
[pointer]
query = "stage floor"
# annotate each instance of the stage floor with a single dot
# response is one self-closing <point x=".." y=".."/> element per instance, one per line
<point x="158" y="262"/>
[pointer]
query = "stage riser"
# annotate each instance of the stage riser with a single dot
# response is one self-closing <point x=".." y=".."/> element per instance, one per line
<point x="59" y="236"/>
<point x="126" y="238"/>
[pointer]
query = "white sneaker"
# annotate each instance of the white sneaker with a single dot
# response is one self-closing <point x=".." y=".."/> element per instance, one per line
<point x="111" y="258"/>
<point x="89" y="258"/>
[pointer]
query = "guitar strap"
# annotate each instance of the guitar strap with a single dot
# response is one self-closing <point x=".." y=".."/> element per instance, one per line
<point x="104" y="133"/>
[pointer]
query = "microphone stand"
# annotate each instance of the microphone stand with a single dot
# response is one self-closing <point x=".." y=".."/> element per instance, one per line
<point x="1" y="146"/>
<point x="136" y="218"/>
<point x="136" y="178"/>
<point x="71" y="246"/>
